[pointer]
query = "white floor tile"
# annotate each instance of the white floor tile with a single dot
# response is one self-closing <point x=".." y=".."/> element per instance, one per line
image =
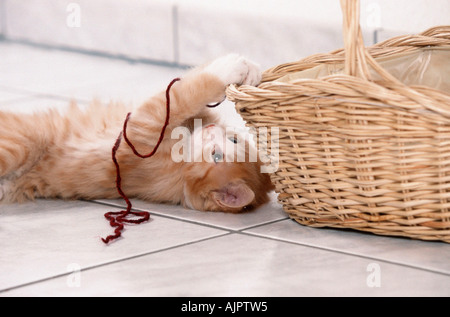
<point x="43" y="72"/>
<point x="434" y="256"/>
<point x="43" y="239"/>
<point x="37" y="104"/>
<point x="138" y="29"/>
<point x="39" y="70"/>
<point x="134" y="83"/>
<point x="42" y="242"/>
<point x="9" y="96"/>
<point x="237" y="265"/>
<point x="265" y="214"/>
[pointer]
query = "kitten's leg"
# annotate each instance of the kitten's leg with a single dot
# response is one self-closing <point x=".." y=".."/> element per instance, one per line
<point x="1" y="190"/>
<point x="20" y="142"/>
<point x="206" y="85"/>
<point x="190" y="96"/>
<point x="13" y="149"/>
<point x="12" y="156"/>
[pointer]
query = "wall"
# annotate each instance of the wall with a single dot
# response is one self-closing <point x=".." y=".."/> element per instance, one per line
<point x="189" y="32"/>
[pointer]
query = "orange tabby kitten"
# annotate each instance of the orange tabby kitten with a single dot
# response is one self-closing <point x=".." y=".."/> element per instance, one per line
<point x="49" y="155"/>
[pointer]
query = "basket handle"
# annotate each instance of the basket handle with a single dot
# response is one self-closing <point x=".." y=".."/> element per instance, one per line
<point x="357" y="60"/>
<point x="355" y="52"/>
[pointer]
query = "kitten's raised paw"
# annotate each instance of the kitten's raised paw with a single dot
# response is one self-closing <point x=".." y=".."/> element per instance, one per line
<point x="235" y="69"/>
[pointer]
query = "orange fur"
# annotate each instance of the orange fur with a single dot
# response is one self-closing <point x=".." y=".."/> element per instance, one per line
<point x="49" y="155"/>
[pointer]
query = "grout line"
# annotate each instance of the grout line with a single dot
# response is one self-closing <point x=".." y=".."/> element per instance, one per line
<point x="30" y="94"/>
<point x="246" y="233"/>
<point x="114" y="262"/>
<point x="375" y="36"/>
<point x="226" y="232"/>
<point x="264" y="224"/>
<point x="156" y="213"/>
<point x="25" y="99"/>
<point x="2" y="20"/>
<point x="63" y="98"/>
<point x="436" y="271"/>
<point x="27" y="93"/>
<point x="133" y="60"/>
<point x="159" y="214"/>
<point x="175" y="34"/>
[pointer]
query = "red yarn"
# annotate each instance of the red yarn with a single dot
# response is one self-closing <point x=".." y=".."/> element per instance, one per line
<point x="118" y="218"/>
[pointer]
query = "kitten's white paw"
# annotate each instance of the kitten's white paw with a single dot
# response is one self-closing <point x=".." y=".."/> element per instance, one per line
<point x="235" y="69"/>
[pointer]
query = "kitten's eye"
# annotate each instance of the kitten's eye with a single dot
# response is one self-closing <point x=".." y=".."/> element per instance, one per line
<point x="217" y="156"/>
<point x="233" y="139"/>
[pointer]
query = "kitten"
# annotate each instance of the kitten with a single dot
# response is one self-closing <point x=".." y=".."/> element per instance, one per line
<point x="50" y="155"/>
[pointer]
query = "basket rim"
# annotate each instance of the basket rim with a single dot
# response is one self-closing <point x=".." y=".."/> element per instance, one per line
<point x="435" y="37"/>
<point x="433" y="101"/>
<point x="380" y="59"/>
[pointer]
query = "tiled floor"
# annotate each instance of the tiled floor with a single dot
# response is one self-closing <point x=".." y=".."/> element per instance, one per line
<point x="53" y="248"/>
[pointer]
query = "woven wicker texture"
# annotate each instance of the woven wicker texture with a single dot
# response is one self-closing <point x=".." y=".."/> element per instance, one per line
<point x="360" y="149"/>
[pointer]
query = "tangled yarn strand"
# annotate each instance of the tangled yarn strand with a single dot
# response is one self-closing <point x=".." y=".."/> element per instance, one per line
<point x="117" y="219"/>
<point x="161" y="136"/>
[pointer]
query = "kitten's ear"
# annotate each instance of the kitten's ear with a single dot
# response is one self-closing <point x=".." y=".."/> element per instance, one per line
<point x="234" y="195"/>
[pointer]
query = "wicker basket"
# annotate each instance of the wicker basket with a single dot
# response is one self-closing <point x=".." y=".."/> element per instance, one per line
<point x="359" y="148"/>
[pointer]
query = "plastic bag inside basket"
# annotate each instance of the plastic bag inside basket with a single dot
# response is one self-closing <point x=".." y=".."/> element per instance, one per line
<point x="427" y="67"/>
